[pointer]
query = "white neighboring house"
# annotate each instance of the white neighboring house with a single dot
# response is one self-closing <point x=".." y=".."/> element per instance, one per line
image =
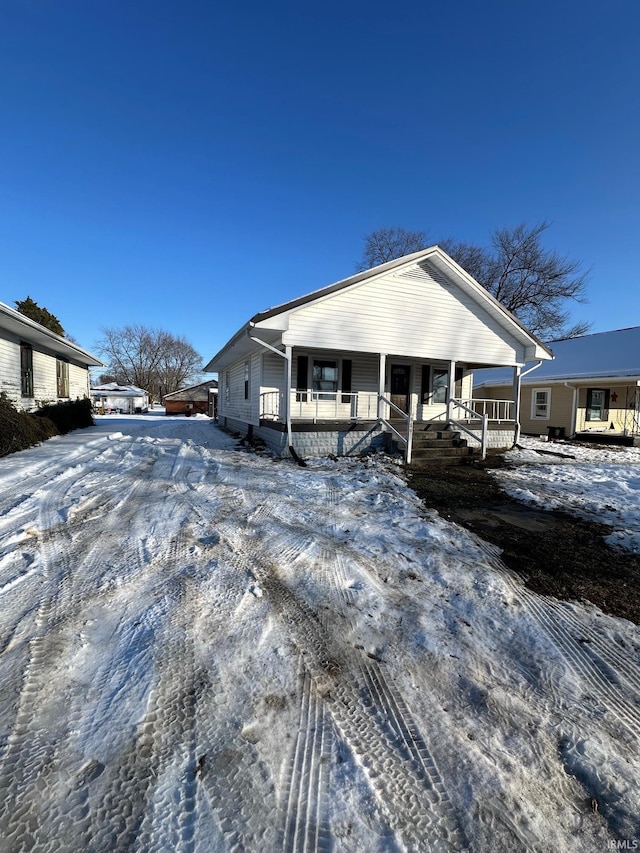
<point x="111" y="397"/>
<point x="375" y="355"/>
<point x="38" y="367"/>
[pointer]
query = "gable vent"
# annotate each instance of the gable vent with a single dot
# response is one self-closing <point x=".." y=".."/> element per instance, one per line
<point x="427" y="273"/>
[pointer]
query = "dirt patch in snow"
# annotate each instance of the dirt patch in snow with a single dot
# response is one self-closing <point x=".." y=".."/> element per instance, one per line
<point x="555" y="553"/>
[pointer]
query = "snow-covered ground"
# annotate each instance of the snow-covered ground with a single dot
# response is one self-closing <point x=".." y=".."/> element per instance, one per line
<point x="600" y="483"/>
<point x="204" y="649"/>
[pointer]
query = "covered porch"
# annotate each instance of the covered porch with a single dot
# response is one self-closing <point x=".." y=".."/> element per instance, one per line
<point x="325" y="390"/>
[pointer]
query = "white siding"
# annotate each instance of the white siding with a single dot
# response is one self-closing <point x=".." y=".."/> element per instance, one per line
<point x="273" y="373"/>
<point x="416" y="313"/>
<point x="10" y="370"/>
<point x="78" y="382"/>
<point x="237" y="406"/>
<point x="45" y="386"/>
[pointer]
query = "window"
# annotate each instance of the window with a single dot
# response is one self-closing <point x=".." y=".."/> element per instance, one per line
<point x="540" y="404"/>
<point x="324" y="377"/>
<point x="227" y="389"/>
<point x="440" y="385"/>
<point x="597" y="404"/>
<point x="246" y="380"/>
<point x="62" y="377"/>
<point x="26" y="370"/>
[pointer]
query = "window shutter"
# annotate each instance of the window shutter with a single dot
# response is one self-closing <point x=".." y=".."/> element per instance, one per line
<point x="301" y="379"/>
<point x="605" y="413"/>
<point x="346" y="379"/>
<point x="425" y="384"/>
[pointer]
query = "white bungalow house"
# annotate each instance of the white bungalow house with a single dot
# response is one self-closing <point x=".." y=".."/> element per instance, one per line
<point x="112" y="397"/>
<point x="371" y="357"/>
<point x="38" y="367"/>
<point x="591" y="390"/>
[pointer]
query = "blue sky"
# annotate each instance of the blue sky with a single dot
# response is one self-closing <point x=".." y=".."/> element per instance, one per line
<point x="186" y="165"/>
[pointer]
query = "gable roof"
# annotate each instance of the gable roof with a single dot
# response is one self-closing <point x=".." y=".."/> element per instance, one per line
<point x="33" y="333"/>
<point x="189" y="392"/>
<point x="276" y="318"/>
<point x="601" y="355"/>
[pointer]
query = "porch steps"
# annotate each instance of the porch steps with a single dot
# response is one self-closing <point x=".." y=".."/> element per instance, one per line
<point x="436" y="444"/>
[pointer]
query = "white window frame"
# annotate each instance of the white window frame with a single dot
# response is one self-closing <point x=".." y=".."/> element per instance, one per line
<point x="534" y="405"/>
<point x="320" y="393"/>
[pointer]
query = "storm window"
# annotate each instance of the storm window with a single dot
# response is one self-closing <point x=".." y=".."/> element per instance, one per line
<point x="540" y="404"/>
<point x="324" y="377"/>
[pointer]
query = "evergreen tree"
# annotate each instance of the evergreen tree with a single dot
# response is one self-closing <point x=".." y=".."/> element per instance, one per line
<point x="40" y="315"/>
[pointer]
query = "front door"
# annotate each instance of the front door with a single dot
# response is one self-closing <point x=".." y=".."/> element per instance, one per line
<point x="399" y="391"/>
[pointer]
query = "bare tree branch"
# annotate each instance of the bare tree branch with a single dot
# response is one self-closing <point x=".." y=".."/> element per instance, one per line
<point x="534" y="283"/>
<point x="152" y="359"/>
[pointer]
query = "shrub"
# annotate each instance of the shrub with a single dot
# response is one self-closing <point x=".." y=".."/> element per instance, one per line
<point x="19" y="430"/>
<point x="74" y="414"/>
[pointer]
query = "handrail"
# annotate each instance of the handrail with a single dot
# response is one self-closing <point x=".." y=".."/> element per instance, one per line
<point x="476" y="415"/>
<point x="408" y="441"/>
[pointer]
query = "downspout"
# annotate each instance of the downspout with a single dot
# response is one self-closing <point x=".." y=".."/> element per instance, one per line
<point x="517" y="399"/>
<point x="574" y="408"/>
<point x="286" y="355"/>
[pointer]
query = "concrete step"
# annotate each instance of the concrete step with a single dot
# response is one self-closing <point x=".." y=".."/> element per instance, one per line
<point x="440" y="452"/>
<point x="427" y="440"/>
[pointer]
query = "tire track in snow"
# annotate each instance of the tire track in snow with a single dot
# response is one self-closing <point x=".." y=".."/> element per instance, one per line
<point x="305" y="827"/>
<point x="303" y="823"/>
<point x="399" y="769"/>
<point x="596" y="673"/>
<point x="62" y="552"/>
<point x="387" y="701"/>
<point x="620" y="661"/>
<point x="409" y="800"/>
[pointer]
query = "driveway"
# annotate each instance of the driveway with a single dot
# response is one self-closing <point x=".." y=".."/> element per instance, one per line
<point x="206" y="649"/>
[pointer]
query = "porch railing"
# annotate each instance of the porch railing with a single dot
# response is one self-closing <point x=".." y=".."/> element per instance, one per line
<point x="407" y="439"/>
<point x="321" y="405"/>
<point x="363" y="405"/>
<point x="496" y="410"/>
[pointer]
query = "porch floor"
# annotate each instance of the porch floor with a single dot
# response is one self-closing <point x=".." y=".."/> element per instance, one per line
<point x="614" y="438"/>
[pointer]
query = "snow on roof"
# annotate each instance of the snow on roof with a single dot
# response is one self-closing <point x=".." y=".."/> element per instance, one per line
<point x="602" y="355"/>
<point x="120" y="390"/>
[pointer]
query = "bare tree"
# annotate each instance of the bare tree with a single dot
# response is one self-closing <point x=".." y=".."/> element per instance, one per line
<point x="532" y="282"/>
<point x="387" y="244"/>
<point x="152" y="359"/>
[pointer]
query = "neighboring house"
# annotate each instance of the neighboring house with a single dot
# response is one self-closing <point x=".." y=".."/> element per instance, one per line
<point x="112" y="397"/>
<point x="346" y="367"/>
<point x="38" y="367"/>
<point x="197" y="399"/>
<point x="592" y="388"/>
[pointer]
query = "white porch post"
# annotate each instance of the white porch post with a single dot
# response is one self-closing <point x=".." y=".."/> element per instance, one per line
<point x="287" y="393"/>
<point x="381" y="375"/>
<point x="451" y="390"/>
<point x="516" y="403"/>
